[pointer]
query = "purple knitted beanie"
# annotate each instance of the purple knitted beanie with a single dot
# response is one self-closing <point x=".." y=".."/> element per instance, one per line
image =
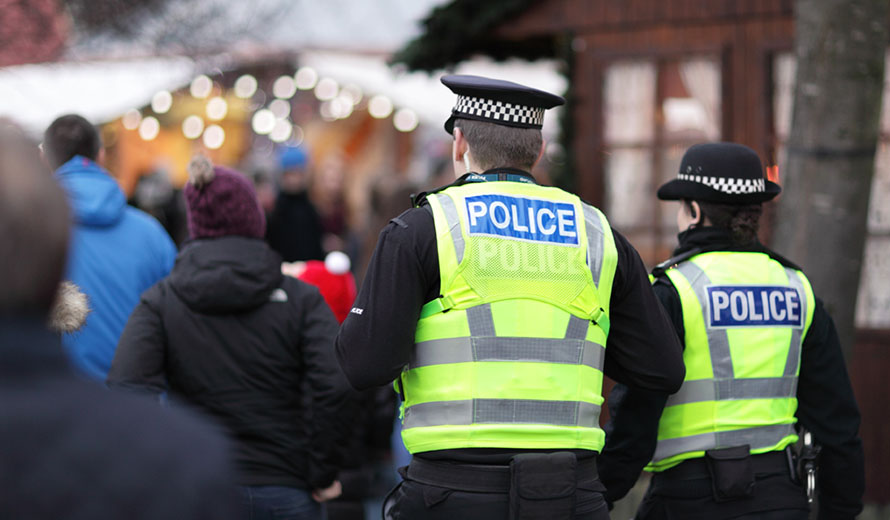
<point x="221" y="202"/>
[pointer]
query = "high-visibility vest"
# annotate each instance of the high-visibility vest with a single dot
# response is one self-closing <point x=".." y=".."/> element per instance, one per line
<point x="511" y="354"/>
<point x="746" y="316"/>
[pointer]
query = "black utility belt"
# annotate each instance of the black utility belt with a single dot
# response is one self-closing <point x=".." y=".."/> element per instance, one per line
<point x="765" y="463"/>
<point x="726" y="474"/>
<point x="539" y="485"/>
<point x="480" y="478"/>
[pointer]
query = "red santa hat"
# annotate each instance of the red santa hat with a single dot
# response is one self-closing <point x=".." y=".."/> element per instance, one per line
<point x="333" y="279"/>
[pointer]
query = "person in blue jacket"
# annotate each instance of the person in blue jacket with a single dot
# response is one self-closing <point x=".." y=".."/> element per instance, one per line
<point x="117" y="251"/>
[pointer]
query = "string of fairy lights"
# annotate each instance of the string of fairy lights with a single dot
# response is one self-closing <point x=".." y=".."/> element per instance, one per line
<point x="271" y="114"/>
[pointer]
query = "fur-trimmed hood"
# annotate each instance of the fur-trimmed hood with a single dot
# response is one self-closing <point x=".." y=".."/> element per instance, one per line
<point x="70" y="310"/>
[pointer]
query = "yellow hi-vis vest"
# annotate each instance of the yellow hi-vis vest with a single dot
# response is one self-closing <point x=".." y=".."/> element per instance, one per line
<point x="745" y="317"/>
<point x="511" y="354"/>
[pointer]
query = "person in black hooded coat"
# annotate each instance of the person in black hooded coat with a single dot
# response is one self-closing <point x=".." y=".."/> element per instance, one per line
<point x="228" y="334"/>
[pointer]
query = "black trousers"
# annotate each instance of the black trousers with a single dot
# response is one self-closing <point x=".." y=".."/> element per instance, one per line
<point x="415" y="500"/>
<point x="775" y="497"/>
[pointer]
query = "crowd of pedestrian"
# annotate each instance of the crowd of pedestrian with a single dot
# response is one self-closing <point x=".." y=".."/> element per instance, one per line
<point x="242" y="374"/>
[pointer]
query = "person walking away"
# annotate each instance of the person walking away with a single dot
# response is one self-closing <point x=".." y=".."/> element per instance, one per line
<point x="295" y="229"/>
<point x="762" y="361"/>
<point x="72" y="449"/>
<point x="497" y="305"/>
<point x="227" y="334"/>
<point x="371" y="425"/>
<point x="117" y="251"/>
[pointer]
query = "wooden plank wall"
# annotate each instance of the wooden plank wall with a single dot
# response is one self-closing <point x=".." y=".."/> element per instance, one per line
<point x="550" y="16"/>
<point x="868" y="373"/>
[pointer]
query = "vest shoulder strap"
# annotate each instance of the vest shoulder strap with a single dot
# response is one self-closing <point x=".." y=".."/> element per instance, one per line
<point x="671" y="262"/>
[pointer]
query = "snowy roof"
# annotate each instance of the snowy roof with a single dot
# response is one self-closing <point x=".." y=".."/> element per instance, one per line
<point x="34" y="95"/>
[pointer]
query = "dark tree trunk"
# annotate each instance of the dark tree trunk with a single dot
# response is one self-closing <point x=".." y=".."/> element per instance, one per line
<point x="822" y="213"/>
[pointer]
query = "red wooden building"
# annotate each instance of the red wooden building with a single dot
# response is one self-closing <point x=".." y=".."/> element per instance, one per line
<point x="647" y="79"/>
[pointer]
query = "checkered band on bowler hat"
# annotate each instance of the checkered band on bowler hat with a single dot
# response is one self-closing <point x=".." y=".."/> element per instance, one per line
<point x="723" y="173"/>
<point x="498" y="101"/>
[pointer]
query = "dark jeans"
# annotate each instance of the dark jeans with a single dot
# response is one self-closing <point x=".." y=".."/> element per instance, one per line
<point x="278" y="503"/>
<point x="410" y="500"/>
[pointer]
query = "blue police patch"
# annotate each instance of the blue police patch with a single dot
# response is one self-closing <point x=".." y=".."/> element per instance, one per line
<point x="521" y="218"/>
<point x="754" y="306"/>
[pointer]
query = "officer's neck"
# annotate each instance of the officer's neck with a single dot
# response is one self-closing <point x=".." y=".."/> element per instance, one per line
<point x="497" y="174"/>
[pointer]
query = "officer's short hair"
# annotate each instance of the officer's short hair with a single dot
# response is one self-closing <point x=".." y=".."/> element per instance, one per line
<point x="68" y="136"/>
<point x="34" y="224"/>
<point x="499" y="146"/>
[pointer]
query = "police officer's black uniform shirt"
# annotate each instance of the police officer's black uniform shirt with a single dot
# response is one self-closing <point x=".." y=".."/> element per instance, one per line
<point x="825" y="402"/>
<point x="377" y="337"/>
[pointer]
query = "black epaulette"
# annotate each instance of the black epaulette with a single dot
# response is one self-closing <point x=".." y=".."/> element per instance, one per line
<point x="671" y="262"/>
<point x="781" y="259"/>
<point x="419" y="199"/>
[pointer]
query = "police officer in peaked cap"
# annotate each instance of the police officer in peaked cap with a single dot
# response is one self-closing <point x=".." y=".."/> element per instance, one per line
<point x="762" y="360"/>
<point x="496" y="305"/>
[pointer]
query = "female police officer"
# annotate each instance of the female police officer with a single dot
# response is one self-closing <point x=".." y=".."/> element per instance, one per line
<point x="490" y="303"/>
<point x="761" y="354"/>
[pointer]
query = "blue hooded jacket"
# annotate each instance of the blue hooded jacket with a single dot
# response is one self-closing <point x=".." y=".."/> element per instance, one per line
<point x="116" y="253"/>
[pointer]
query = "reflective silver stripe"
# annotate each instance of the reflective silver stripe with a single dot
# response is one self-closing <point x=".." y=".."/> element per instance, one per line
<point x="577" y="328"/>
<point x="502" y="411"/>
<point x="594" y="228"/>
<point x="480" y="320"/>
<point x="536" y="350"/>
<point x="718" y="340"/>
<point x="759" y="437"/>
<point x="722" y="389"/>
<point x="793" y="360"/>
<point x="453" y="221"/>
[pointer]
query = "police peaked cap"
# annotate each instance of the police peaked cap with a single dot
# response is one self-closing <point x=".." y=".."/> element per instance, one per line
<point x="498" y="101"/>
<point x="723" y="173"/>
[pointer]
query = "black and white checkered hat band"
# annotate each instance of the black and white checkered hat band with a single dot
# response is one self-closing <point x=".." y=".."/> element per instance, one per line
<point x="500" y="111"/>
<point x="731" y="186"/>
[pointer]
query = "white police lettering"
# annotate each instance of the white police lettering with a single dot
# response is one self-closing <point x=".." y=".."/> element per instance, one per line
<point x="522" y="218"/>
<point x="497" y="259"/>
<point x="753" y="306"/>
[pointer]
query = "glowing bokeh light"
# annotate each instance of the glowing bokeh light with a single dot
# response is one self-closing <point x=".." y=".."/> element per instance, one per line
<point x="405" y="120"/>
<point x="380" y="106"/>
<point x="217" y="108"/>
<point x="245" y="86"/>
<point x="214" y="137"/>
<point x="149" y="128"/>
<point x="326" y="89"/>
<point x="306" y="78"/>
<point x="282" y="131"/>
<point x="161" y="102"/>
<point x="263" y="121"/>
<point x="284" y="87"/>
<point x="280" y="107"/>
<point x="131" y="119"/>
<point x="192" y="127"/>
<point x="201" y="87"/>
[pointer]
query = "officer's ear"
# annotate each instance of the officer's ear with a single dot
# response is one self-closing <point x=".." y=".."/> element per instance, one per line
<point x="459" y="150"/>
<point x="460" y="146"/>
<point x="540" y="153"/>
<point x="694" y="211"/>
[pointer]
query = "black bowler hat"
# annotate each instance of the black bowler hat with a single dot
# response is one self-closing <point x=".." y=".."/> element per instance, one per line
<point x="498" y="101"/>
<point x="724" y="173"/>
